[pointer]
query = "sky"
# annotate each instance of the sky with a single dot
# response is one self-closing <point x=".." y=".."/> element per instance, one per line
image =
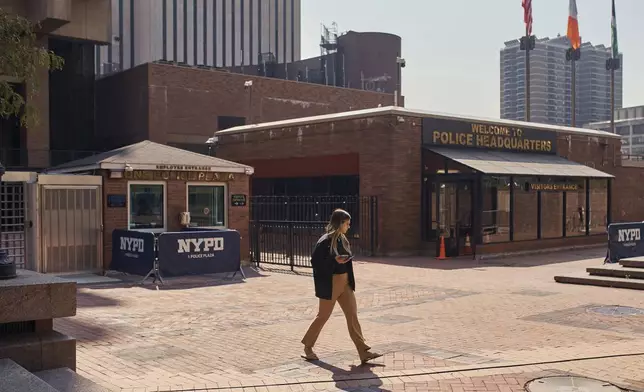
<point x="452" y="46"/>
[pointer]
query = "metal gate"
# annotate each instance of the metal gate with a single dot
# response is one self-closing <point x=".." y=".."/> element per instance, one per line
<point x="71" y="228"/>
<point x="283" y="229"/>
<point x="12" y="221"/>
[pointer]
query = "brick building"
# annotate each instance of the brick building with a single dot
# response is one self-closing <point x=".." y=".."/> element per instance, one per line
<point x="146" y="187"/>
<point x="183" y="106"/>
<point x="65" y="98"/>
<point x="503" y="186"/>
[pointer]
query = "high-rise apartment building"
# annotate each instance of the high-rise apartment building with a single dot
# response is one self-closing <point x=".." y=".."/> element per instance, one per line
<point x="550" y="83"/>
<point x="629" y="123"/>
<point x="219" y="33"/>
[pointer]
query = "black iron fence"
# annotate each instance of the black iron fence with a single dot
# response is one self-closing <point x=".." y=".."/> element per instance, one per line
<point x="283" y="229"/>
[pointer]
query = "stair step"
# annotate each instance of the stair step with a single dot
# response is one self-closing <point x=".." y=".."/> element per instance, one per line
<point x="66" y="380"/>
<point x="603" y="281"/>
<point x="15" y="378"/>
<point x="617" y="272"/>
<point x="632" y="263"/>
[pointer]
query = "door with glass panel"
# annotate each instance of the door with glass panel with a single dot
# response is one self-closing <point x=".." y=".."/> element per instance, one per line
<point x="455" y="216"/>
<point x="207" y="205"/>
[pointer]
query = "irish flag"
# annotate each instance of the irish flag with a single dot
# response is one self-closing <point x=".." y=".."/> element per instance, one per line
<point x="573" y="25"/>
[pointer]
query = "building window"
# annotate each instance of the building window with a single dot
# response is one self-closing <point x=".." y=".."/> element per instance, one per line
<point x="496" y="209"/>
<point x="207" y="205"/>
<point x="147" y="209"/>
<point x="525" y="209"/>
<point x="638" y="129"/>
<point x="598" y="206"/>
<point x="575" y="207"/>
<point x="551" y="214"/>
<point x="225" y="122"/>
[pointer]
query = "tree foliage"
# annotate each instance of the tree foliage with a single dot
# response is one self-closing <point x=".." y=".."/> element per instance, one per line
<point x="20" y="59"/>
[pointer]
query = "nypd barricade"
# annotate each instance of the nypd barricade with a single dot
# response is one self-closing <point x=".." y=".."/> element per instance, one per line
<point x="625" y="241"/>
<point x="132" y="252"/>
<point x="199" y="252"/>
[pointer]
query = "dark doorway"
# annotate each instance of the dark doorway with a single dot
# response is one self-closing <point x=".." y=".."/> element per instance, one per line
<point x="447" y="213"/>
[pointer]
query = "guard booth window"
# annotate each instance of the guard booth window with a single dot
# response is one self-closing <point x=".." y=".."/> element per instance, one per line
<point x="206" y="204"/>
<point x="147" y="206"/>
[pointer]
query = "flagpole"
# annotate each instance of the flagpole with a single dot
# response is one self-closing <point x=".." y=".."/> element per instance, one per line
<point x="527" y="74"/>
<point x="574" y="91"/>
<point x="613" y="64"/>
<point x="612" y="99"/>
<point x="573" y="55"/>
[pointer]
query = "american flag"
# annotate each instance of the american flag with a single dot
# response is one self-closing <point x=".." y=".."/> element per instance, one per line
<point x="527" y="15"/>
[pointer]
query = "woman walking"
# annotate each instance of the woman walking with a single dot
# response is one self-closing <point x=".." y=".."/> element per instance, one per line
<point x="334" y="282"/>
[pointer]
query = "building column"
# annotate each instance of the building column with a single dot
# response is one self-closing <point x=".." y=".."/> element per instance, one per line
<point x="37" y="134"/>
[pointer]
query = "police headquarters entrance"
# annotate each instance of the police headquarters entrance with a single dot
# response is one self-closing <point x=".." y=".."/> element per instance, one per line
<point x="489" y="186"/>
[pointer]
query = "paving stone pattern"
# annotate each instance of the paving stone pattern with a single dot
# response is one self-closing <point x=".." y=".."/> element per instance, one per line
<point x="452" y="325"/>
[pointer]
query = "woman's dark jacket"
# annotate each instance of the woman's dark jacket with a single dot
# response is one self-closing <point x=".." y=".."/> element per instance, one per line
<point x="324" y="265"/>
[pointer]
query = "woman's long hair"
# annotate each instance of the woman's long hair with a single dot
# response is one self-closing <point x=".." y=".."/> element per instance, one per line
<point x="338" y="217"/>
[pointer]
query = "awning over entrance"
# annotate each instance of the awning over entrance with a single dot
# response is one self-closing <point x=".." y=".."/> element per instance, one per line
<point x="524" y="164"/>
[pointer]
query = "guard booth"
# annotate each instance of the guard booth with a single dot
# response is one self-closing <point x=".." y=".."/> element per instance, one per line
<point x="154" y="188"/>
<point x="489" y="185"/>
<point x="52" y="223"/>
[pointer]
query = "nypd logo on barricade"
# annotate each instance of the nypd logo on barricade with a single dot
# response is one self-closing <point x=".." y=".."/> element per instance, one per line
<point x="628" y="235"/>
<point x="129" y="244"/>
<point x="199" y="251"/>
<point x="625" y="241"/>
<point x="132" y="251"/>
<point x="200" y="247"/>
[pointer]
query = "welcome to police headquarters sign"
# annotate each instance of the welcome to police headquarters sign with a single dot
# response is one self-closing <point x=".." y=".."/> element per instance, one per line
<point x="625" y="241"/>
<point x="199" y="252"/>
<point x="456" y="133"/>
<point x="132" y="252"/>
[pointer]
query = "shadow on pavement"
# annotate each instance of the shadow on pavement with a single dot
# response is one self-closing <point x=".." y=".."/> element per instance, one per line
<point x="85" y="299"/>
<point x="357" y="378"/>
<point x="467" y="262"/>
<point x="81" y="330"/>
<point x="177" y="283"/>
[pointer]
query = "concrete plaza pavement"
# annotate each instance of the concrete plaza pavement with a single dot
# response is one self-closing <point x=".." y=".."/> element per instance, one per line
<point x="454" y="325"/>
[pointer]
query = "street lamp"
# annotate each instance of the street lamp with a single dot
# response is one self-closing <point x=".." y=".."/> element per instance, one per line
<point x="248" y="85"/>
<point x="400" y="64"/>
<point x="7" y="267"/>
<point x="211" y="142"/>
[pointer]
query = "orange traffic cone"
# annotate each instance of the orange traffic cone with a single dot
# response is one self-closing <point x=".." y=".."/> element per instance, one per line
<point x="468" y="246"/>
<point x="441" y="253"/>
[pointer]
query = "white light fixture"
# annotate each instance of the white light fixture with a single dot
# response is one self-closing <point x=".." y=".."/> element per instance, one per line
<point x="128" y="168"/>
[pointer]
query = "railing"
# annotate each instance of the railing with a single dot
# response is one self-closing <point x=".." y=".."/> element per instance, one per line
<point x="21" y="158"/>
<point x="632" y="157"/>
<point x="283" y="229"/>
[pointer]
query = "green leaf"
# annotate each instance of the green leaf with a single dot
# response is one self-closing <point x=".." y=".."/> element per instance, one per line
<point x="21" y="59"/>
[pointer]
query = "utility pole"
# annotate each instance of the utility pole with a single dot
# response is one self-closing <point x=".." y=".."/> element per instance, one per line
<point x="400" y="64"/>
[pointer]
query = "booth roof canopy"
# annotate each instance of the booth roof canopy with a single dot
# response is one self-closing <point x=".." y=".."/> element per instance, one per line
<point x="147" y="155"/>
<point x="518" y="164"/>
<point x="401" y="111"/>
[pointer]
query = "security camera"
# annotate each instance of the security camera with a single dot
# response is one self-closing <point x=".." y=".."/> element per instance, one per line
<point x="401" y="61"/>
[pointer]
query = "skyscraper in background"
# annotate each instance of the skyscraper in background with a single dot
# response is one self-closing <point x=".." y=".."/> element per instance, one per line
<point x="221" y="33"/>
<point x="550" y="83"/>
